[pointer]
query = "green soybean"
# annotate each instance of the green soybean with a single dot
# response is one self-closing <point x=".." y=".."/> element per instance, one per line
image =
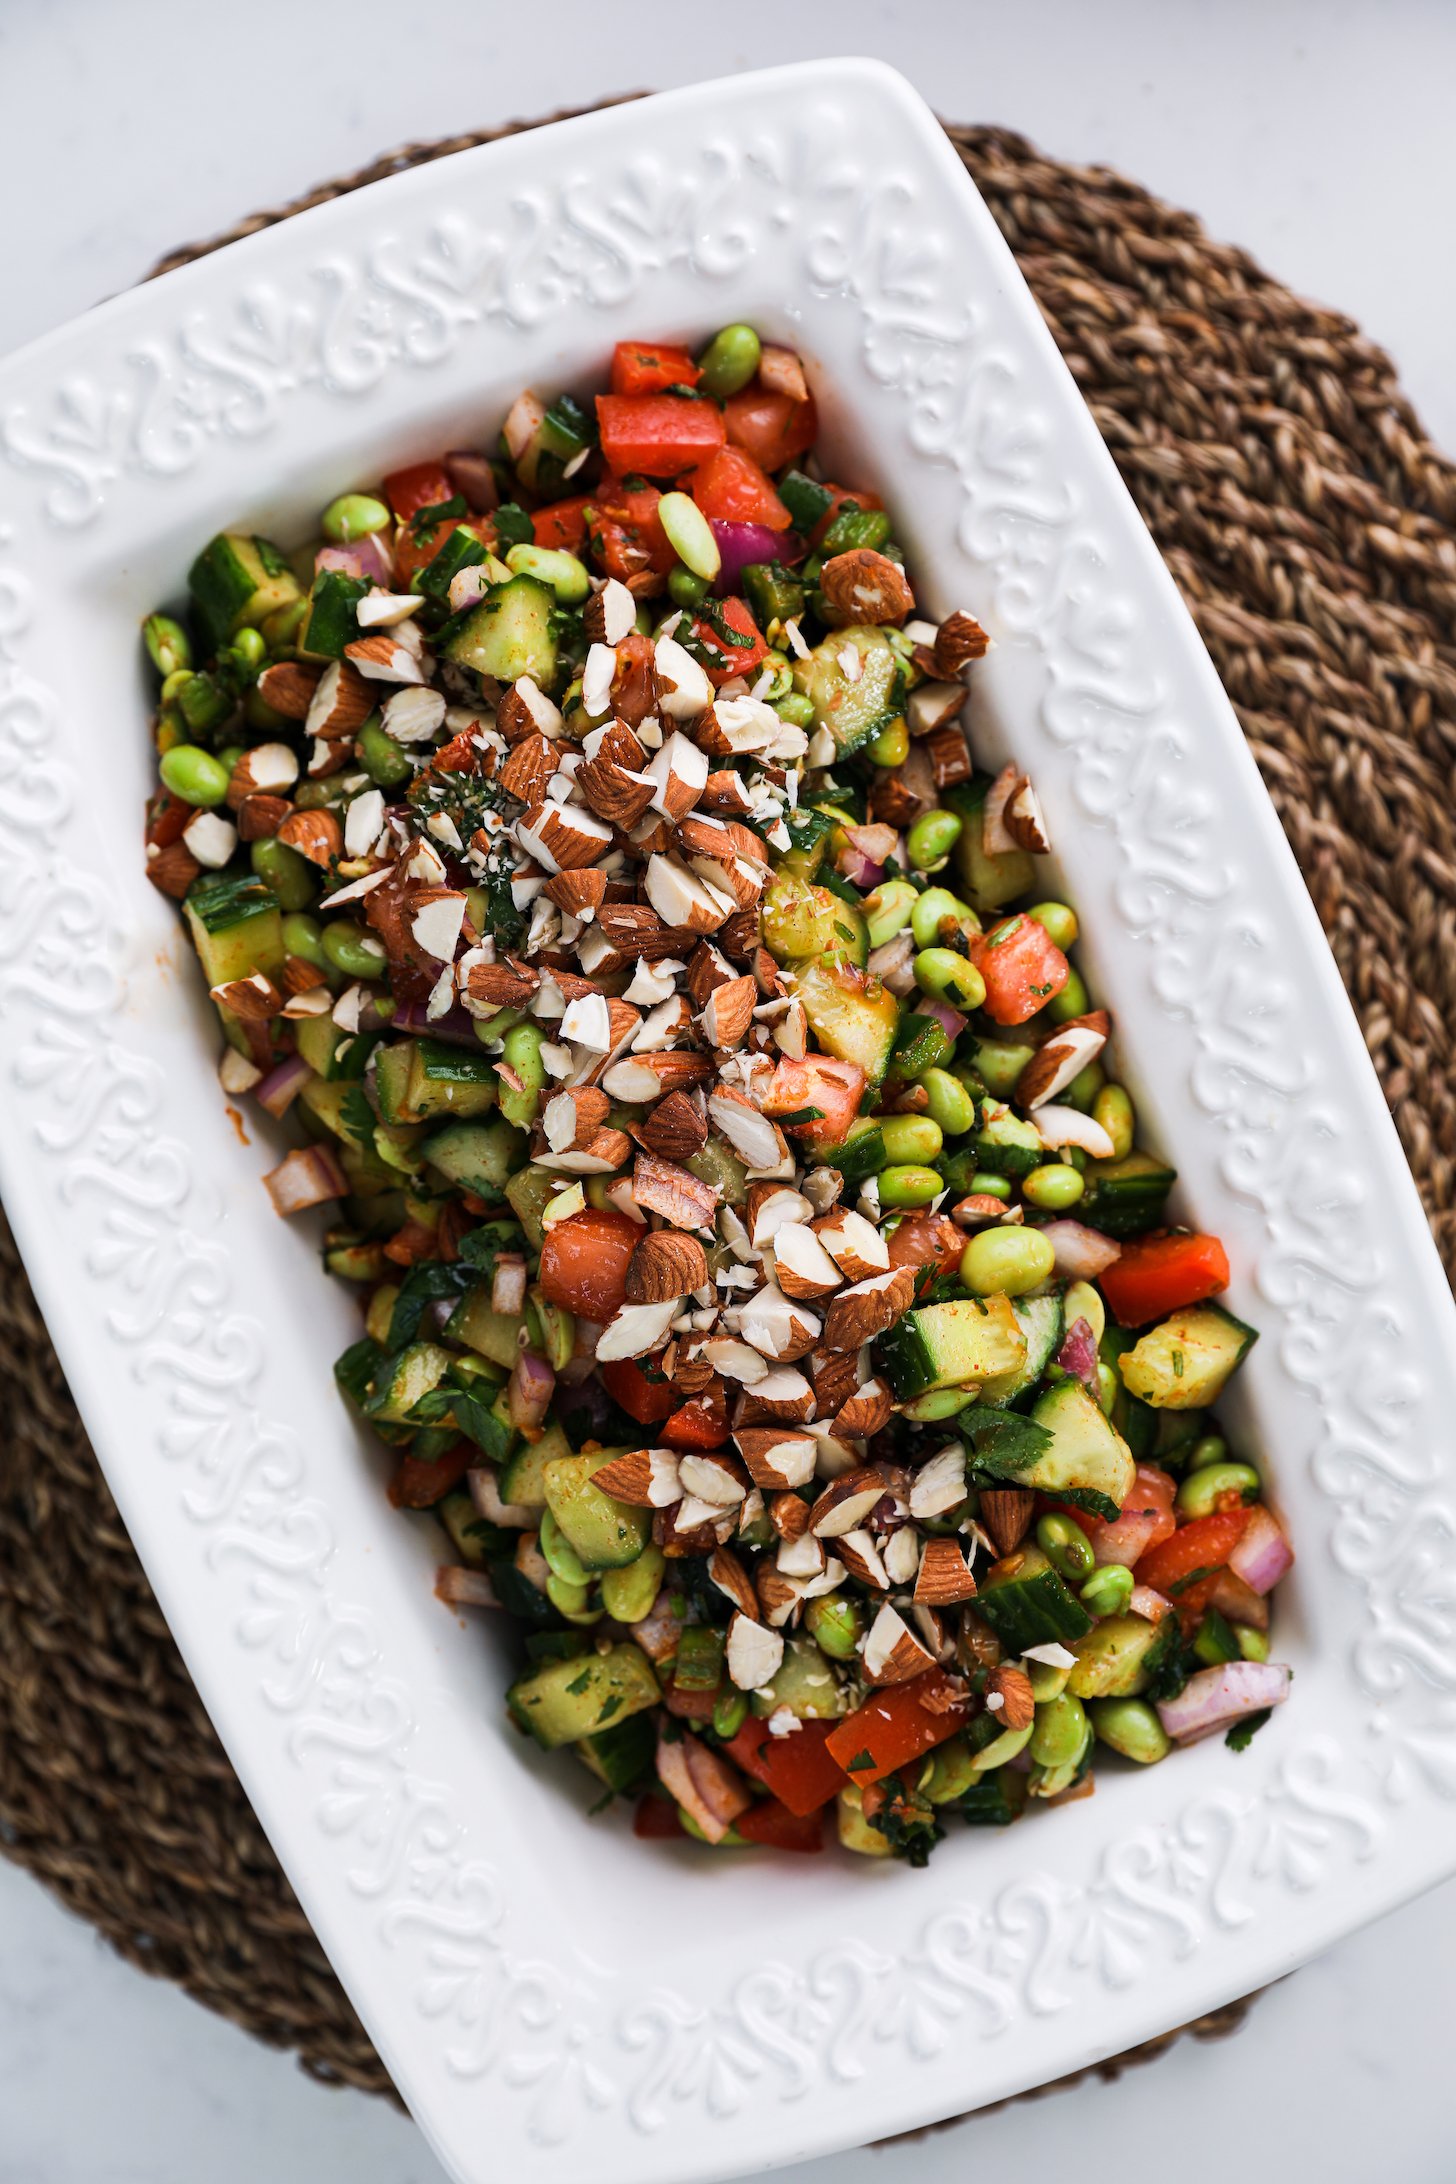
<point x="887" y="910"/>
<point x="1066" y="1547"/>
<point x="1253" y="1644"/>
<point x="567" y="1598"/>
<point x="1203" y="1489"/>
<point x="351" y="950"/>
<point x="1060" y="1733"/>
<point x="729" y="361"/>
<point x="729" y="1713"/>
<point x="1082" y="1301"/>
<point x="1084" y="1088"/>
<point x="386" y="762"/>
<point x="260" y="716"/>
<point x="686" y="590"/>
<point x="986" y="1185"/>
<point x="631" y="1593"/>
<point x="1212" y="1449"/>
<point x="946" y="976"/>
<point x="1006" y="1261"/>
<point x="293" y="879"/>
<point x="951" y="1107"/>
<point x="522" y="1053"/>
<point x="1108" y="1590"/>
<point x="351" y="516"/>
<point x="560" y="571"/>
<point x="936" y="908"/>
<point x="1129" y="1726"/>
<point x="168" y="645"/>
<point x="1109" y="1387"/>
<point x="794" y="707"/>
<point x="913" y="1138"/>
<point x="1060" y="921"/>
<point x="249" y="650"/>
<point x="195" y="775"/>
<point x="932" y="838"/>
<point x="559" y="1552"/>
<point x="1114" y="1110"/>
<point x="283" y="625"/>
<point x="909" y="1186"/>
<point x="304" y="936"/>
<point x="950" y="1771"/>
<point x="935" y="1405"/>
<point x="689" y="534"/>
<point x="1071" y="1001"/>
<point x="891" y="747"/>
<point x="836" y="1624"/>
<point x="1052" y="1187"/>
<point x="175" y="683"/>
<point x="1008" y="1745"/>
<point x="1047" y="1680"/>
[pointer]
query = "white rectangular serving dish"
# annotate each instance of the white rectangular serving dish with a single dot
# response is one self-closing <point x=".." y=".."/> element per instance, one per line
<point x="548" y="1993"/>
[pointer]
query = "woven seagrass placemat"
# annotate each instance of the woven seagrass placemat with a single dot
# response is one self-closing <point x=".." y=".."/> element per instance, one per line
<point x="1312" y="529"/>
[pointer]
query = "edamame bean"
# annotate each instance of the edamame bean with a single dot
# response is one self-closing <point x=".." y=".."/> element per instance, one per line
<point x="986" y="1185"/>
<point x="949" y="1772"/>
<point x="1000" y="1749"/>
<point x="1066" y="1547"/>
<point x="946" y="976"/>
<point x="1047" y="1680"/>
<point x="1108" y="1387"/>
<point x="951" y="1106"/>
<point x="686" y="590"/>
<point x="522" y="1053"/>
<point x="317" y="795"/>
<point x="1108" y="1590"/>
<point x="304" y="936"/>
<point x="168" y="645"/>
<point x="891" y="747"/>
<point x="1212" y="1449"/>
<point x="554" y="567"/>
<point x="939" y="915"/>
<point x="729" y="1713"/>
<point x="559" y="1552"/>
<point x="1129" y="1726"/>
<point x="195" y="775"/>
<point x="1083" y="1302"/>
<point x="351" y="516"/>
<point x="1059" y="920"/>
<point x="351" y="950"/>
<point x="293" y="879"/>
<point x="934" y="1406"/>
<point x="729" y="361"/>
<point x="780" y="670"/>
<point x="1060" y="1733"/>
<point x="1005" y="1261"/>
<point x="249" y="650"/>
<point x="1253" y="1644"/>
<point x="1113" y="1109"/>
<point x="932" y="838"/>
<point x="228" y="756"/>
<point x="260" y="716"/>
<point x="1212" y="1487"/>
<point x="909" y="1186"/>
<point x="915" y="1139"/>
<point x="1052" y="1187"/>
<point x="794" y="707"/>
<point x="887" y="910"/>
<point x="1071" y="1001"/>
<point x="283" y="625"/>
<point x="1084" y="1088"/>
<point x="689" y="535"/>
<point x="836" y="1625"/>
<point x="386" y="762"/>
<point x="568" y="1599"/>
<point x="175" y="683"/>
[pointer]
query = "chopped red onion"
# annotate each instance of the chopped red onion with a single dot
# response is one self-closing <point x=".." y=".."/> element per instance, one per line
<point x="508" y="1285"/>
<point x="741" y="545"/>
<point x="305" y="1177"/>
<point x="1151" y="1606"/>
<point x="894" y="964"/>
<point x="1263" y="1554"/>
<point x="1082" y="1253"/>
<point x="950" y="1020"/>
<point x="859" y="870"/>
<point x="529" y="1391"/>
<point x="484" y="1483"/>
<point x="462" y="1588"/>
<point x="1217" y="1696"/>
<point x="282" y="1085"/>
<point x="473" y="478"/>
<point x="345" y="559"/>
<point x="1078" y="1353"/>
<point x="456" y="1027"/>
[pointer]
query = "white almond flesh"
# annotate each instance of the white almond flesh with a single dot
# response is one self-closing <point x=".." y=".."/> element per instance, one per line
<point x="799" y="1252"/>
<point x="855" y="1244"/>
<point x="691" y="693"/>
<point x="754" y="1653"/>
<point x="892" y="1651"/>
<point x="636" y="1329"/>
<point x="1075" y="1048"/>
<point x="1059" y="1126"/>
<point x="711" y="1482"/>
<point x="902" y="1555"/>
<point x="734" y="1360"/>
<point x="436" y="927"/>
<point x="774" y="1324"/>
<point x="940" y="1485"/>
<point x="801" y="1557"/>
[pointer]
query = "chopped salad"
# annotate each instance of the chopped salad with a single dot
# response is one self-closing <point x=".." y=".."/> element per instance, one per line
<point x="762" y="1279"/>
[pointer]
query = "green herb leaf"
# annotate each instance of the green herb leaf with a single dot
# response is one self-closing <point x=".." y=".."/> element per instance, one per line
<point x="426" y="521"/>
<point x="1000" y="1442"/>
<point x="1243" y="1733"/>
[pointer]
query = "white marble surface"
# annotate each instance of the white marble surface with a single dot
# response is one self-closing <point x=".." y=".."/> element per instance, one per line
<point x="1317" y="133"/>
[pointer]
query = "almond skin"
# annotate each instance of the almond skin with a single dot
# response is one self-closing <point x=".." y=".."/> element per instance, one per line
<point x="528" y="769"/>
<point x="1013" y="1686"/>
<point x="665" y="1264"/>
<point x="260" y="817"/>
<point x="859" y="1314"/>
<point x="674" y="1130"/>
<point x="1006" y="1514"/>
<point x="288" y="687"/>
<point x="173" y="869"/>
<point x="316" y="835"/>
<point x="959" y="640"/>
<point x="660" y="1186"/>
<point x="863" y="586"/>
<point x="945" y="1577"/>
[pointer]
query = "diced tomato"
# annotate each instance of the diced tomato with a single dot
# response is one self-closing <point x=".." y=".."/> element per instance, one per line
<point x="584" y="1262"/>
<point x="656" y="1820"/>
<point x="648" y="1401"/>
<point x="773" y="428"/>
<point x="412" y="554"/>
<point x="661" y="435"/>
<point x="700" y="1422"/>
<point x="928" y="1239"/>
<point x="1023" y="968"/>
<point x="897" y="1725"/>
<point x="798" y="1768"/>
<point x="732" y="487"/>
<point x="563" y="524"/>
<point x="834" y="1087"/>
<point x="422" y="485"/>
<point x="731" y="659"/>
<point x="1145" y="1521"/>
<point x="772" y="1824"/>
<point x="646" y="367"/>
<point x="1160" y="1274"/>
<point x="842" y="497"/>
<point x="626" y="532"/>
<point x="419" y="1485"/>
<point x="1203" y="1545"/>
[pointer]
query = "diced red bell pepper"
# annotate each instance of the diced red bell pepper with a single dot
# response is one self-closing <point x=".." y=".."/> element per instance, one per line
<point x="562" y="524"/>
<point x="656" y="1820"/>
<point x="798" y="1768"/>
<point x="700" y="1422"/>
<point x="842" y="496"/>
<point x="1023" y="968"/>
<point x="727" y="660"/>
<point x="1160" y="1274"/>
<point x="899" y="1724"/>
<point x="422" y="485"/>
<point x="732" y="488"/>
<point x="584" y="1262"/>
<point x="419" y="1485"/>
<point x="648" y="1401"/>
<point x="772" y="1824"/>
<point x="647" y="367"/>
<point x="1203" y="1545"/>
<point x="773" y="428"/>
<point x="834" y="1087"/>
<point x="660" y="435"/>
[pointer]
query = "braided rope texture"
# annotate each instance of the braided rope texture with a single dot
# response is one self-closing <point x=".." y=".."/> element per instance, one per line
<point x="1312" y="529"/>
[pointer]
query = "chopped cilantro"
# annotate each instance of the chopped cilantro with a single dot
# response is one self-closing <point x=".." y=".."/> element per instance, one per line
<point x="1243" y="1733"/>
<point x="513" y="527"/>
<point x="860" y="1761"/>
<point x="612" y="1706"/>
<point x="579" y="1683"/>
<point x="426" y="521"/>
<point x="357" y="1116"/>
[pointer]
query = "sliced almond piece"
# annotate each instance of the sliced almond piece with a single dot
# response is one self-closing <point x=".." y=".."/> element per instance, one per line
<point x="572" y="1119"/>
<point x="867" y="1411"/>
<point x="845" y="1502"/>
<point x="665" y="1264"/>
<point x="385" y="658"/>
<point x="959" y="640"/>
<point x="863" y="587"/>
<point x="945" y="1577"/>
<point x="802" y="1266"/>
<point x="777" y="1327"/>
<point x="679" y="773"/>
<point x="288" y="687"/>
<point x="892" y="1652"/>
<point x="340" y="705"/>
<point x="996" y="840"/>
<point x="939" y="1485"/>
<point x="755" y="1137"/>
<point x="801" y="1557"/>
<point x="645" y="1478"/>
<point x="636" y="1330"/>
<point x="869" y="1309"/>
<point x="680" y="898"/>
<point x="729" y="1012"/>
<point x="949" y="755"/>
<point x="782" y="1397"/>
<point x="714" y="1477"/>
<point x="853" y="1243"/>
<point x="1062" y="1057"/>
<point x="933" y="705"/>
<point x="563" y="836"/>
<point x="641" y="1077"/>
<point x="1059" y="1126"/>
<point x="754" y="1653"/>
<point x="254" y="1000"/>
<point x="733" y="1581"/>
<point x="734" y="1360"/>
<point x="777" y="1460"/>
<point x="769" y="1207"/>
<point x="1006" y="1512"/>
<point x="860" y="1554"/>
<point x="787" y="1513"/>
<point x="316" y="835"/>
<point x="674" y="1130"/>
<point x="528" y="769"/>
<point x="1025" y="821"/>
<point x="1012" y="1686"/>
<point x="682" y="1198"/>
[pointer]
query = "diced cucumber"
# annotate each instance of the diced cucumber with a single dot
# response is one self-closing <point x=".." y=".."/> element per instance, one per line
<point x="333" y="620"/>
<point x="852" y="1017"/>
<point x="464" y="1523"/>
<point x="1085" y="1453"/>
<point x="862" y="1153"/>
<point x="236" y="927"/>
<point x="1115" y="1660"/>
<point x="988" y="883"/>
<point x="318" y="1039"/>
<point x="563" y="1701"/>
<point x="461" y="550"/>
<point x="621" y="1756"/>
<point x="523" y="1476"/>
<point x="853" y="712"/>
<point x="723" y="1170"/>
<point x="1043" y="1323"/>
<point x="528" y="1193"/>
<point x="413" y="1374"/>
<point x="478" y="1156"/>
<point x="804" y="1683"/>
<point x="1026" y="1603"/>
<point x="999" y="1063"/>
<point x="1126" y="1197"/>
<point x="341" y="1108"/>
<point x="607" y="1534"/>
<point x="419" y="1078"/>
<point x="973" y="1339"/>
<point x="1005" y="1145"/>
<point x="495" y="1335"/>
<point x="510" y="633"/>
<point x="1184" y="1362"/>
<point x="235" y="582"/>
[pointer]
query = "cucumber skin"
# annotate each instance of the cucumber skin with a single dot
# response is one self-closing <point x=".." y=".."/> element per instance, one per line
<point x="1032" y="1608"/>
<point x="555" y="1715"/>
<point x="509" y="634"/>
